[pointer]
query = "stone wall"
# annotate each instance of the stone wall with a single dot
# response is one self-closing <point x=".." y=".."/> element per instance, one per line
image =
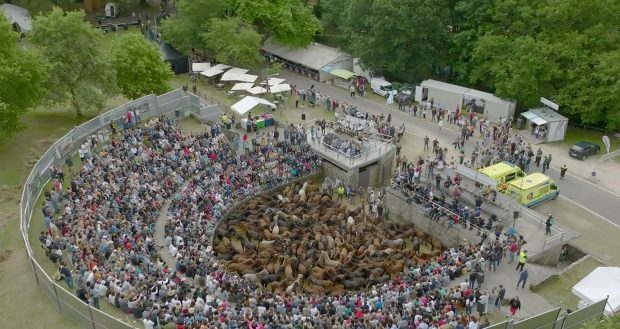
<point x="414" y="213"/>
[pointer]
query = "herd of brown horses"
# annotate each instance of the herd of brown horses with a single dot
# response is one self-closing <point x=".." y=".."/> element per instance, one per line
<point x="304" y="241"/>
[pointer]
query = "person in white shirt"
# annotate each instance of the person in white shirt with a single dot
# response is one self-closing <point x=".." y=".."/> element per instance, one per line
<point x="148" y="324"/>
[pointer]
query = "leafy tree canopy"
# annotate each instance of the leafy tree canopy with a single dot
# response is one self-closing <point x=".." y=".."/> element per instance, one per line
<point x="290" y="21"/>
<point x="22" y="75"/>
<point x="234" y="41"/>
<point x="403" y="39"/>
<point x="139" y="68"/>
<point x="80" y="74"/>
<point x="561" y="49"/>
<point x="185" y="30"/>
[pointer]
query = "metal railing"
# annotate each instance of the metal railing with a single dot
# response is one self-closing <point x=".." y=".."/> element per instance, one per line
<point x="175" y="103"/>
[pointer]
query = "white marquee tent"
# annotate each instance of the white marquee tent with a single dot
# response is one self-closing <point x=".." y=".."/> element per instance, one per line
<point x="242" y="86"/>
<point x="275" y="81"/>
<point x="247" y="78"/>
<point x="600" y="283"/>
<point x="248" y="103"/>
<point x="215" y="70"/>
<point x="233" y="74"/>
<point x="257" y="90"/>
<point x="280" y="88"/>
<point x="200" y="67"/>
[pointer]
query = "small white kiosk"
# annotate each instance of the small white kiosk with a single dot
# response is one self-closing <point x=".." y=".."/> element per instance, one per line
<point x="545" y="123"/>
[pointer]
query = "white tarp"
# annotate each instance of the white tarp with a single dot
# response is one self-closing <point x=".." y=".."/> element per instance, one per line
<point x="600" y="283"/>
<point x="233" y="74"/>
<point x="215" y="70"/>
<point x="248" y="103"/>
<point x="199" y="67"/>
<point x="242" y="86"/>
<point x="280" y="88"/>
<point x="257" y="90"/>
<point x="275" y="81"/>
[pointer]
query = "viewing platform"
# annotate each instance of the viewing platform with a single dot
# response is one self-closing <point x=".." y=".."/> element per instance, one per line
<point x="358" y="156"/>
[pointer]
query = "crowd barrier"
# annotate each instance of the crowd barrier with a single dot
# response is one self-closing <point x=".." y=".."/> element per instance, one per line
<point x="176" y="104"/>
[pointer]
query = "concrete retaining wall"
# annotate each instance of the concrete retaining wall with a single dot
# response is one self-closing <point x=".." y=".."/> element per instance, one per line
<point x="414" y="213"/>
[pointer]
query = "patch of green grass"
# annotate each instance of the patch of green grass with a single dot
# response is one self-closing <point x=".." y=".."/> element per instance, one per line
<point x="574" y="135"/>
<point x="558" y="289"/>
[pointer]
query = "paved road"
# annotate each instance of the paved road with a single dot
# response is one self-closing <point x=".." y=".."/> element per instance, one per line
<point x="578" y="191"/>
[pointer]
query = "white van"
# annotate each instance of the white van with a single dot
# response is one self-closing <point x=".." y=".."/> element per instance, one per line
<point x="380" y="86"/>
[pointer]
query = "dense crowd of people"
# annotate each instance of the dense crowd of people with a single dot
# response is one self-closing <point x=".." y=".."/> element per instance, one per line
<point x="100" y="232"/>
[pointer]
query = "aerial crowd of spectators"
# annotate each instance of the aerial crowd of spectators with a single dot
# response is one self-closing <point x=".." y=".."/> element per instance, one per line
<point x="101" y="234"/>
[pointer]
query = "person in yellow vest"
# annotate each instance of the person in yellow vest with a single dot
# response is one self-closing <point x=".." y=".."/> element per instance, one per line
<point x="340" y="192"/>
<point x="522" y="259"/>
<point x="224" y="118"/>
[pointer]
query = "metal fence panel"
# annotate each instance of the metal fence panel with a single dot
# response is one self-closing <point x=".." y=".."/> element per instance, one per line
<point x="74" y="308"/>
<point x="501" y="325"/>
<point x="542" y="321"/>
<point x="591" y="312"/>
<point x="106" y="321"/>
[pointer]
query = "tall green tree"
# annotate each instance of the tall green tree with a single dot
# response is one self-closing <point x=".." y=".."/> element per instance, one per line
<point x="290" y="21"/>
<point x="521" y="68"/>
<point x="139" y="68"/>
<point x="235" y="42"/>
<point x="22" y="76"/>
<point x="193" y="18"/>
<point x="561" y="49"/>
<point x="81" y="73"/>
<point x="404" y="39"/>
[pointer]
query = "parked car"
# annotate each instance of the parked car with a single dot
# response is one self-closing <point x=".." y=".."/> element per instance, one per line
<point x="583" y="149"/>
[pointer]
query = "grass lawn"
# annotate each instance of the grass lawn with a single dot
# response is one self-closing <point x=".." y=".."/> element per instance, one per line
<point x="575" y="135"/>
<point x="22" y="303"/>
<point x="558" y="290"/>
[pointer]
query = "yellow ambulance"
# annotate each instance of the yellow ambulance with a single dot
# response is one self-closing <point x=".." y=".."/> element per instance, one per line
<point x="503" y="173"/>
<point x="533" y="189"/>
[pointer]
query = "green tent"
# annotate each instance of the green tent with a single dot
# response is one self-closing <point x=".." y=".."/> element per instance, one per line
<point x="342" y="73"/>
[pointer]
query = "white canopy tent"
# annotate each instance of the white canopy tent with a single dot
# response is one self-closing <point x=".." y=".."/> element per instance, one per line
<point x="215" y="70"/>
<point x="233" y="74"/>
<point x="280" y="88"/>
<point x="600" y="283"/>
<point x="257" y="90"/>
<point x="247" y="78"/>
<point x="248" y="103"/>
<point x="242" y="86"/>
<point x="274" y="81"/>
<point x="200" y="67"/>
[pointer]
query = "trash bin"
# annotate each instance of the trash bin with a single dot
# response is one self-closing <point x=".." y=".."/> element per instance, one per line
<point x="303" y="116"/>
<point x="515" y="214"/>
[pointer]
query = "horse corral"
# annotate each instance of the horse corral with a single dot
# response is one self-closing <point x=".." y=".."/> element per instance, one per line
<point x="302" y="240"/>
